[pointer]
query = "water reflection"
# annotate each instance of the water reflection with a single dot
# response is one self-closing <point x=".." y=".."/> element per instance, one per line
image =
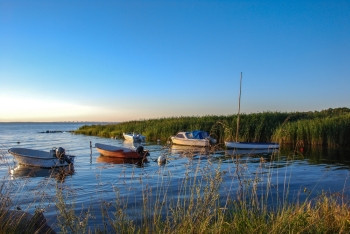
<point x="189" y="151"/>
<point x="320" y="155"/>
<point x="59" y="173"/>
<point x="235" y="152"/>
<point x="112" y="160"/>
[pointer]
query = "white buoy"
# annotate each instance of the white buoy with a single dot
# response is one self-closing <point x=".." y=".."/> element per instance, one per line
<point x="161" y="160"/>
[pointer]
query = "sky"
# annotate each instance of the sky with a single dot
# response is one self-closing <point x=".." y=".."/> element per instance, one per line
<point x="131" y="60"/>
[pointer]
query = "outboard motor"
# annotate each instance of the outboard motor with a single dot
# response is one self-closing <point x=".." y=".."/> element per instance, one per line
<point x="141" y="151"/>
<point x="60" y="153"/>
<point x="67" y="159"/>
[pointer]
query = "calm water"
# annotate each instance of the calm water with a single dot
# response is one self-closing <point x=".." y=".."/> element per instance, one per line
<point x="98" y="179"/>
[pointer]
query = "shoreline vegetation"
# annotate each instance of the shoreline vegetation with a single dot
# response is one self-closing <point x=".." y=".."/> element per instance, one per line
<point x="328" y="128"/>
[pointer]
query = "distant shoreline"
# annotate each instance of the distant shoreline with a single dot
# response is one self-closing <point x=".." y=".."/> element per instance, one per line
<point x="58" y="122"/>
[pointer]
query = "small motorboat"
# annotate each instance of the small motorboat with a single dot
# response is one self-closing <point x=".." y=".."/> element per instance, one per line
<point x="194" y="138"/>
<point x="251" y="145"/>
<point x="121" y="152"/>
<point x="45" y="159"/>
<point x="134" y="137"/>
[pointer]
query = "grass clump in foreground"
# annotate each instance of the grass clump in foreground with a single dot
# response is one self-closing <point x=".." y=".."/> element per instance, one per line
<point x="329" y="127"/>
<point x="324" y="214"/>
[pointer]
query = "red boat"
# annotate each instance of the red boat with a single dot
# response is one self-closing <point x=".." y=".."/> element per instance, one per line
<point x="121" y="152"/>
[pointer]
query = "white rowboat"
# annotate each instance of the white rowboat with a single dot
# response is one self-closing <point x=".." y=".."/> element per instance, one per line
<point x="39" y="158"/>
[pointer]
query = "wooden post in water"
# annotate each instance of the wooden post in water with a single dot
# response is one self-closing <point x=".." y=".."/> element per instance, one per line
<point x="239" y="108"/>
<point x="90" y="152"/>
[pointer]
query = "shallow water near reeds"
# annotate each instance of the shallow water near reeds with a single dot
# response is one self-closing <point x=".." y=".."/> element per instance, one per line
<point x="285" y="175"/>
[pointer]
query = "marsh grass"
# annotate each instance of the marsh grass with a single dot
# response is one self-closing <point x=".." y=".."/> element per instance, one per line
<point x="329" y="128"/>
<point x="324" y="214"/>
<point x="331" y="132"/>
<point x="67" y="219"/>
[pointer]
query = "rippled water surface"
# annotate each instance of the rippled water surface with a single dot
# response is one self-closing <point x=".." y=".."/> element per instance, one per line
<point x="97" y="179"/>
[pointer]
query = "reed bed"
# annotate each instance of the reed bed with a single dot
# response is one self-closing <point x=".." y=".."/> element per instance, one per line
<point x="328" y="131"/>
<point x="329" y="128"/>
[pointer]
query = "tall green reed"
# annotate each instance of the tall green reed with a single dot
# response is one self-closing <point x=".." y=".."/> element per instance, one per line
<point x="331" y="132"/>
<point x="329" y="127"/>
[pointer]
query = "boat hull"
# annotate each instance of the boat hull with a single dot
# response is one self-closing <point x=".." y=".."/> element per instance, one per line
<point x="191" y="142"/>
<point x="38" y="158"/>
<point x="249" y="145"/>
<point x="118" y="152"/>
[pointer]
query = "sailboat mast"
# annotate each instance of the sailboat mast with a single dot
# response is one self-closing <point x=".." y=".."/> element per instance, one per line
<point x="239" y="107"/>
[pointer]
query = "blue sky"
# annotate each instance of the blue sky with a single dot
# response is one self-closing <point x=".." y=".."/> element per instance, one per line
<point x="125" y="60"/>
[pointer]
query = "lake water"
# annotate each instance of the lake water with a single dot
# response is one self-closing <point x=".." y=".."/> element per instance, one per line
<point x="98" y="180"/>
